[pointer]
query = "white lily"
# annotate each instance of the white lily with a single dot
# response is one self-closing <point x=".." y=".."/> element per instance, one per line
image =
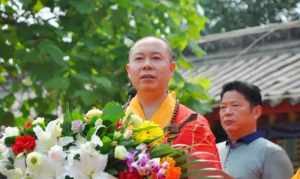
<point x="43" y="166"/>
<point x="20" y="162"/>
<point x="56" y="157"/>
<point x="49" y="137"/>
<point x="63" y="141"/>
<point x="16" y="173"/>
<point x="86" y="162"/>
<point x="96" y="141"/>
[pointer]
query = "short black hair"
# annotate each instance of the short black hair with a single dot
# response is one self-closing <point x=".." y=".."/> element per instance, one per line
<point x="249" y="91"/>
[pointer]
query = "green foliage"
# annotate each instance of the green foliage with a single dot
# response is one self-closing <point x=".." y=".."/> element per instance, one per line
<point x="112" y="111"/>
<point x="80" y="62"/>
<point x="9" y="141"/>
<point x="193" y="92"/>
<point x="227" y="15"/>
<point x="164" y="149"/>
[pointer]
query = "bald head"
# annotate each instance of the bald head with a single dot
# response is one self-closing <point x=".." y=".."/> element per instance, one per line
<point x="150" y="66"/>
<point x="150" y="39"/>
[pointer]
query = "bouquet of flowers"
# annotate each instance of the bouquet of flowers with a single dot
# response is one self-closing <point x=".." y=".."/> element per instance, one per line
<point x="98" y="145"/>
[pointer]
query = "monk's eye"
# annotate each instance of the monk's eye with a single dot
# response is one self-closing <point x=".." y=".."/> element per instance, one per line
<point x="156" y="57"/>
<point x="139" y="58"/>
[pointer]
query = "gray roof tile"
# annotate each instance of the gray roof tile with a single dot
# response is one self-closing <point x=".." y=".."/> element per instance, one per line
<point x="278" y="76"/>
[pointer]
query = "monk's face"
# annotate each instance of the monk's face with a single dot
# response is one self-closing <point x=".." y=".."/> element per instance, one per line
<point x="150" y="67"/>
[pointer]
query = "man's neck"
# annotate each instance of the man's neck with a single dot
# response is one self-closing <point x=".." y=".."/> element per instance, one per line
<point x="233" y="138"/>
<point x="150" y="102"/>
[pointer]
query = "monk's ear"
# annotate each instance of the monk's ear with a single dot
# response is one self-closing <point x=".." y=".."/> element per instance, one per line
<point x="172" y="66"/>
<point x="127" y="67"/>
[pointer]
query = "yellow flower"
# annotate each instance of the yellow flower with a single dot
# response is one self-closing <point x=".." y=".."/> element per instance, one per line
<point x="148" y="132"/>
<point x="170" y="161"/>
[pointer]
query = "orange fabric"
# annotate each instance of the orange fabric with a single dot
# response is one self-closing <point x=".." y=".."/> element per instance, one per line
<point x="297" y="175"/>
<point x="197" y="134"/>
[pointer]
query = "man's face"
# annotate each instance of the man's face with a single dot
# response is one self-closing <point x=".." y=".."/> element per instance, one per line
<point x="237" y="116"/>
<point x="150" y="66"/>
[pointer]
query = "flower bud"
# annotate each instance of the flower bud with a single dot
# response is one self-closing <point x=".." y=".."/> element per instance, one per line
<point x="117" y="135"/>
<point x="136" y="120"/>
<point x="128" y="133"/>
<point x="120" y="152"/>
<point x="92" y="113"/>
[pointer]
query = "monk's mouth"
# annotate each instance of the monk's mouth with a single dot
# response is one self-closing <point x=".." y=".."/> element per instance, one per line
<point x="145" y="77"/>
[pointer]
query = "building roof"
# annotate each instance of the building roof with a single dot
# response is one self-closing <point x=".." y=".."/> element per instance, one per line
<point x="268" y="57"/>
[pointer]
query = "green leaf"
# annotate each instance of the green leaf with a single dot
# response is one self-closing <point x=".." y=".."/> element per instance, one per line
<point x="164" y="150"/>
<point x="4" y="1"/>
<point x="50" y="49"/>
<point x="20" y="121"/>
<point x="194" y="46"/>
<point x="103" y="81"/>
<point x="6" y="118"/>
<point x="38" y="6"/>
<point x="90" y="133"/>
<point x="58" y="83"/>
<point x="106" y="144"/>
<point x="9" y="141"/>
<point x="67" y="128"/>
<point x="113" y="111"/>
<point x="204" y="82"/>
<point x="195" y="90"/>
<point x="87" y="97"/>
<point x="184" y="64"/>
<point x="83" y="7"/>
<point x="2" y="79"/>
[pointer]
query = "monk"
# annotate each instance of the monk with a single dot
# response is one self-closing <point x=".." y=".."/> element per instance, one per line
<point x="150" y="68"/>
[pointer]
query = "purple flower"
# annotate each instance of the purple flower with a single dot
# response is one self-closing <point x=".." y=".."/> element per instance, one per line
<point x="155" y="165"/>
<point x="130" y="160"/>
<point x="142" y="164"/>
<point x="165" y="165"/>
<point x="77" y="126"/>
<point x="161" y="174"/>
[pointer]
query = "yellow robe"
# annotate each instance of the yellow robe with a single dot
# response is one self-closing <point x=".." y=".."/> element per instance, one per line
<point x="162" y="116"/>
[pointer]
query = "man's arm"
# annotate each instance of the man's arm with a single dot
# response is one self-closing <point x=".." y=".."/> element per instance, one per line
<point x="277" y="165"/>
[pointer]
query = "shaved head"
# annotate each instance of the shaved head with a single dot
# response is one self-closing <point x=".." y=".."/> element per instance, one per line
<point x="157" y="39"/>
